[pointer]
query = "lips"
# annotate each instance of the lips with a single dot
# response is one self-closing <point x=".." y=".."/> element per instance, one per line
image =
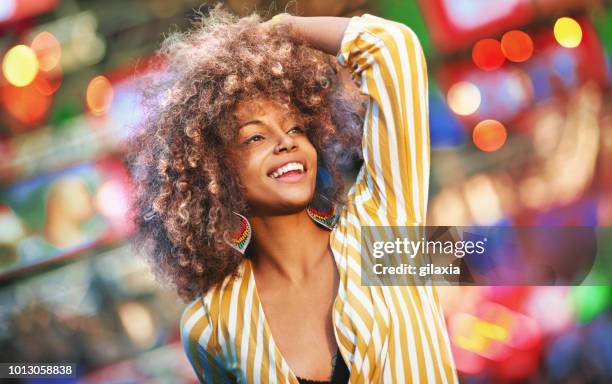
<point x="292" y="168"/>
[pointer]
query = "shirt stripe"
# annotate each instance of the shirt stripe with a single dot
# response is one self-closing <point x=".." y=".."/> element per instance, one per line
<point x="389" y="334"/>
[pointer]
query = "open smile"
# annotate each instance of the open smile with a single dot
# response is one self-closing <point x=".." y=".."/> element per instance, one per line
<point x="291" y="172"/>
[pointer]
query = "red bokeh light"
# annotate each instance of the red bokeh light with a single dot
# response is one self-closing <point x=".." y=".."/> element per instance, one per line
<point x="517" y="46"/>
<point x="48" y="83"/>
<point x="26" y="104"/>
<point x="487" y="54"/>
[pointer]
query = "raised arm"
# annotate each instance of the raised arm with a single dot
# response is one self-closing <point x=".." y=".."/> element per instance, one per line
<point x="322" y="33"/>
<point x="387" y="63"/>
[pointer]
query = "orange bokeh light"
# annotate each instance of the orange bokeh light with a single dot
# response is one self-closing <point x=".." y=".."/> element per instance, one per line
<point x="48" y="50"/>
<point x="99" y="95"/>
<point x="489" y="135"/>
<point x="487" y="54"/>
<point x="517" y="46"/>
<point x="26" y="104"/>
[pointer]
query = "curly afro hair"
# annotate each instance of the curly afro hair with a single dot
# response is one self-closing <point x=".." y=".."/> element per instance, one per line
<point x="186" y="187"/>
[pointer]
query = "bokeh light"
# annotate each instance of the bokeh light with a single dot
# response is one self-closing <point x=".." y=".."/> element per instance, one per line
<point x="20" y="65"/>
<point x="590" y="301"/>
<point x="99" y="95"/>
<point x="48" y="83"/>
<point x="47" y="49"/>
<point x="463" y="98"/>
<point x="138" y="323"/>
<point x="559" y="315"/>
<point x="489" y="135"/>
<point x="7" y="8"/>
<point x="26" y="104"/>
<point x="467" y="362"/>
<point x="568" y="32"/>
<point x="111" y="200"/>
<point x="517" y="46"/>
<point x="487" y="54"/>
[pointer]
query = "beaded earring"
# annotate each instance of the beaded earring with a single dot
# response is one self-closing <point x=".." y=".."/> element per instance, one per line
<point x="240" y="239"/>
<point x="327" y="218"/>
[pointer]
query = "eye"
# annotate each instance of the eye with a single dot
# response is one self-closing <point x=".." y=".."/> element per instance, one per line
<point x="253" y="139"/>
<point x="297" y="129"/>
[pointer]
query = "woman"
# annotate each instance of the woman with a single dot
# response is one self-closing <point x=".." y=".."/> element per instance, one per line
<point x="242" y="207"/>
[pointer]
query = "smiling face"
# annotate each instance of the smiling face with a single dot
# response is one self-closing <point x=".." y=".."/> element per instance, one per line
<point x="277" y="164"/>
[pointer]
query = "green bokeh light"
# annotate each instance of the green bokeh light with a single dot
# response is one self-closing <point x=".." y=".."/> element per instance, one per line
<point x="590" y="301"/>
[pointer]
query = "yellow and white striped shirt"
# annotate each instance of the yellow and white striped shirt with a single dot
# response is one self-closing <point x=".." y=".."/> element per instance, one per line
<point x="390" y="334"/>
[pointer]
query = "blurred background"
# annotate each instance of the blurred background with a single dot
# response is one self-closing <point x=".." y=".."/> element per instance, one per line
<point x="521" y="134"/>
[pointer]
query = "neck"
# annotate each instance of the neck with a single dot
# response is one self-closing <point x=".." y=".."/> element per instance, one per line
<point x="289" y="246"/>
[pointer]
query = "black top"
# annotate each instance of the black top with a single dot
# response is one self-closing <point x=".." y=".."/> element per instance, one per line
<point x="340" y="373"/>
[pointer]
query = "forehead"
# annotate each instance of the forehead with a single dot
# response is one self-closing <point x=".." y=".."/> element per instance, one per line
<point x="262" y="106"/>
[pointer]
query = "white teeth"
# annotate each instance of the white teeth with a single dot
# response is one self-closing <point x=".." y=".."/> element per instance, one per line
<point x="286" y="168"/>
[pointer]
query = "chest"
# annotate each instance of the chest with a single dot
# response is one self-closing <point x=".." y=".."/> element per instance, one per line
<point x="301" y="326"/>
<point x="302" y="330"/>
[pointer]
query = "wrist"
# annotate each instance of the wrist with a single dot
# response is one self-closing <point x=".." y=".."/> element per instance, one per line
<point x="282" y="18"/>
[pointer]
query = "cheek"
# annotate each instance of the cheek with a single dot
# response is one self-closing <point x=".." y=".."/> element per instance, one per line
<point x="249" y="169"/>
<point x="246" y="172"/>
<point x="311" y="152"/>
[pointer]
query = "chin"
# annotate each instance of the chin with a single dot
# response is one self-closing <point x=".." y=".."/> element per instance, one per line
<point x="295" y="203"/>
<point x="289" y="201"/>
<point x="283" y="197"/>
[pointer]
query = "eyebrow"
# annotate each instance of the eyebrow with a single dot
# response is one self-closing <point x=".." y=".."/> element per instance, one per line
<point x="250" y="122"/>
<point x="287" y="115"/>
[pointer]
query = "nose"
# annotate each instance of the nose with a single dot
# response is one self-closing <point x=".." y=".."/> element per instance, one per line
<point x="286" y="143"/>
